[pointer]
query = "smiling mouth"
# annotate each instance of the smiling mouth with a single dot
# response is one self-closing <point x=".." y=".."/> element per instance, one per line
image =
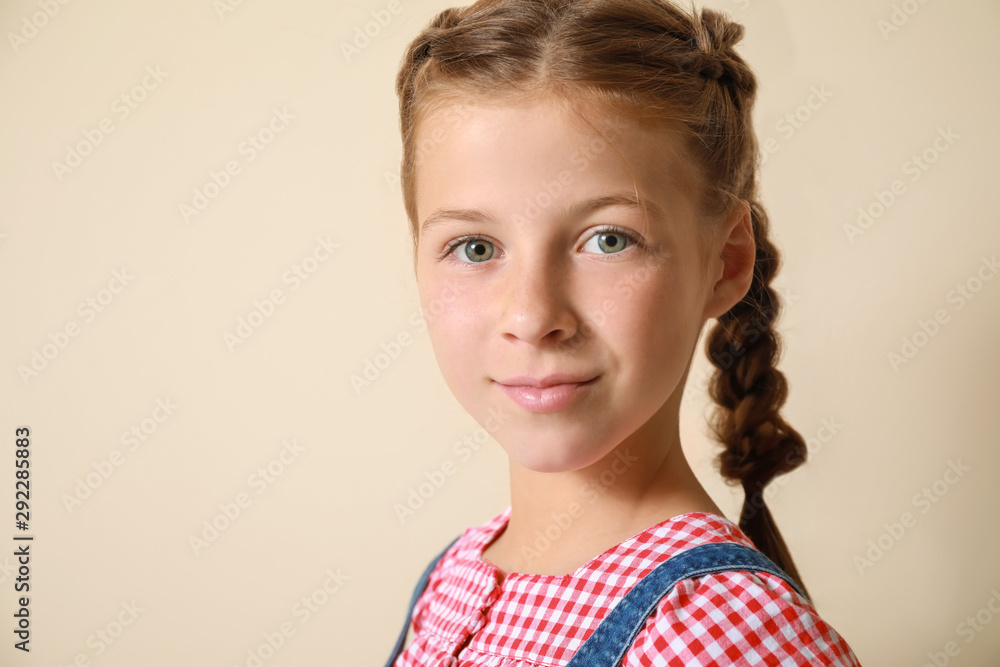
<point x="549" y="398"/>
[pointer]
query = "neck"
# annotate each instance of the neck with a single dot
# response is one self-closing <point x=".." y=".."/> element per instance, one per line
<point x="560" y="521"/>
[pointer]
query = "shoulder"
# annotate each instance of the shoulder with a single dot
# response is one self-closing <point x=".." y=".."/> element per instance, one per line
<point x="738" y="618"/>
<point x="735" y="618"/>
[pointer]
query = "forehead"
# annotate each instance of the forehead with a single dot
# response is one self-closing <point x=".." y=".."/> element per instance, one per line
<point x="482" y="146"/>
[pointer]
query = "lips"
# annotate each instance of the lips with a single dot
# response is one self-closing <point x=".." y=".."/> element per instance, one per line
<point x="547" y="381"/>
<point x="548" y="394"/>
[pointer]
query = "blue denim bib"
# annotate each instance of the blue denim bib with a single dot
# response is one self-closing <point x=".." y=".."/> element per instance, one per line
<point x="607" y="644"/>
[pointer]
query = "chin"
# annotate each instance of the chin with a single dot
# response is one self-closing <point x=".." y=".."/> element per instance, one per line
<point x="550" y="458"/>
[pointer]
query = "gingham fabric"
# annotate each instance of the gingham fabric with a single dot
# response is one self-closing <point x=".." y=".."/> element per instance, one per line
<point x="471" y="615"/>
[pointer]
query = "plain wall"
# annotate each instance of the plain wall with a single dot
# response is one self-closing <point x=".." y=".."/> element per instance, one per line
<point x="119" y="529"/>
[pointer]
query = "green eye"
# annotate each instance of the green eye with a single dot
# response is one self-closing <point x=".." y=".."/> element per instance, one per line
<point x="476" y="250"/>
<point x="610" y="241"/>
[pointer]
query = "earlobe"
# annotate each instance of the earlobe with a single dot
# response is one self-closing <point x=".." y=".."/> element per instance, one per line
<point x="733" y="262"/>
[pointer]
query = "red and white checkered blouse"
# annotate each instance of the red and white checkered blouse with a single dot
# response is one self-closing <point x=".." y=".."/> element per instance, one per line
<point x="470" y="615"/>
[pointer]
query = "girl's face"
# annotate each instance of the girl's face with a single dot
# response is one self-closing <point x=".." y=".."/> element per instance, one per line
<point x="534" y="260"/>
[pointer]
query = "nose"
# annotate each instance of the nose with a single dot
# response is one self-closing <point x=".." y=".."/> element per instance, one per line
<point x="536" y="307"/>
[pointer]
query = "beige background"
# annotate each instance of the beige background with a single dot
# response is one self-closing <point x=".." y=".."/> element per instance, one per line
<point x="330" y="173"/>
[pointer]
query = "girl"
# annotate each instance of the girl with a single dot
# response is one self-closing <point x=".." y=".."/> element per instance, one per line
<point x="580" y="181"/>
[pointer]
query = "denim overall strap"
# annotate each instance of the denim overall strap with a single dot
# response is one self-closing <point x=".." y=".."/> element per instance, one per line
<point x="607" y="644"/>
<point x="418" y="591"/>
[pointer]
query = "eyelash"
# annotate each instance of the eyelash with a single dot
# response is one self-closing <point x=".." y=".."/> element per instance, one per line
<point x="633" y="239"/>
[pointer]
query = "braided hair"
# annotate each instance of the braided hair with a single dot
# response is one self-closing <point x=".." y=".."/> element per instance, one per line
<point x="653" y="62"/>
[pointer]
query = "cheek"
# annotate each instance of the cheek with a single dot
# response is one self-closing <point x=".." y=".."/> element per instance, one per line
<point x="453" y="318"/>
<point x="451" y="305"/>
<point x="649" y="315"/>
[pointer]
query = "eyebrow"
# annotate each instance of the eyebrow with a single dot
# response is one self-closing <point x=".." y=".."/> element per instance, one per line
<point x="578" y="209"/>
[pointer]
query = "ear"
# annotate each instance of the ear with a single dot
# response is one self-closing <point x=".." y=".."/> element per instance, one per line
<point x="731" y="262"/>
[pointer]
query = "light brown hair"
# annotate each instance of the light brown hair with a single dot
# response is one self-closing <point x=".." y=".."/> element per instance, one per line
<point x="651" y="62"/>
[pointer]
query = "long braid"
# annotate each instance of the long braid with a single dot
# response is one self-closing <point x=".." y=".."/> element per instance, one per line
<point x="759" y="445"/>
